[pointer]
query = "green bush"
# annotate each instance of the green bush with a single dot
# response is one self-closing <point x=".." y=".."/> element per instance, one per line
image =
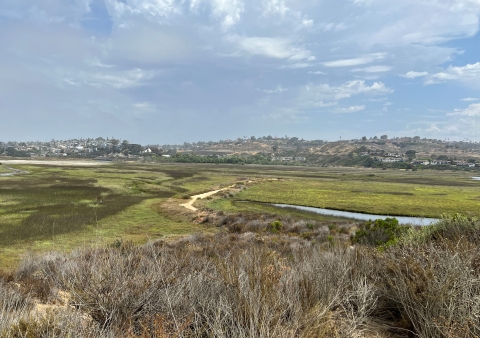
<point x="379" y="232"/>
<point x="276" y="226"/>
<point x="449" y="227"/>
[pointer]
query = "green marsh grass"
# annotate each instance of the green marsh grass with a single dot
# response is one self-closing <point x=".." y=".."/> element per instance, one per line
<point x="377" y="197"/>
<point x="66" y="207"/>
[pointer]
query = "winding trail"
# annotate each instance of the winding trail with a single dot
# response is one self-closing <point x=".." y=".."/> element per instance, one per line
<point x="193" y="199"/>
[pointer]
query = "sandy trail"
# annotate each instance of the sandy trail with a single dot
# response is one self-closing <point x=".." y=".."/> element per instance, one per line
<point x="193" y="199"/>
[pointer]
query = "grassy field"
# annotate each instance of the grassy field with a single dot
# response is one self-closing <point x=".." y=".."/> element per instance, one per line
<point x="4" y="169"/>
<point x="423" y="194"/>
<point x="66" y="207"/>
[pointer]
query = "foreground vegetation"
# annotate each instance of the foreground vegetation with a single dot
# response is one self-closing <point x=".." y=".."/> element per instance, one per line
<point x="253" y="284"/>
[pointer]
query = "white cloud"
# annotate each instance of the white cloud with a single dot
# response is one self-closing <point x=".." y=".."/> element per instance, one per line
<point x="141" y="105"/>
<point x="425" y="22"/>
<point x="363" y="2"/>
<point x="95" y="62"/>
<point x="275" y="7"/>
<point x="461" y="123"/>
<point x="297" y="65"/>
<point x="307" y="23"/>
<point x="279" y="89"/>
<point x="317" y="72"/>
<point x="335" y="27"/>
<point x="413" y="75"/>
<point x="348" y="110"/>
<point x="277" y="48"/>
<point x="469" y="73"/>
<point x="373" y="69"/>
<point x="324" y="94"/>
<point x="124" y="79"/>
<point x="355" y="61"/>
<point x="229" y="10"/>
<point x="469" y="99"/>
<point x="472" y="110"/>
<point x="157" y="8"/>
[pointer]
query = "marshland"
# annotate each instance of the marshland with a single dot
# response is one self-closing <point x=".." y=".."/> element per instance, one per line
<point x="108" y="251"/>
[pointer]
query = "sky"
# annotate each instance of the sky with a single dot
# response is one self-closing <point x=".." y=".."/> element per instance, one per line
<point x="174" y="71"/>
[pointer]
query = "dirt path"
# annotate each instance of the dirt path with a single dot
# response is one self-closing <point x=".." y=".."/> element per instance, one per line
<point x="193" y="199"/>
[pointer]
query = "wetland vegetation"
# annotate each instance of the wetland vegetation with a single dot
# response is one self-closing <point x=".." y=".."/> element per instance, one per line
<point x="107" y="251"/>
<point x="64" y="207"/>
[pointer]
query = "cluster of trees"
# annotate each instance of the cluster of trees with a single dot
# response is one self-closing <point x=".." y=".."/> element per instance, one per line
<point x="11" y="151"/>
<point x="236" y="159"/>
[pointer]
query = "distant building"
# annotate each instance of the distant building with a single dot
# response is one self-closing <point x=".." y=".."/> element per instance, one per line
<point x="391" y="159"/>
<point x="422" y="162"/>
<point x="438" y="162"/>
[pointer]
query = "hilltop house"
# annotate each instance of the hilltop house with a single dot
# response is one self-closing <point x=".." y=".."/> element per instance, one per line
<point x="422" y="162"/>
<point x="439" y="162"/>
<point x="391" y="159"/>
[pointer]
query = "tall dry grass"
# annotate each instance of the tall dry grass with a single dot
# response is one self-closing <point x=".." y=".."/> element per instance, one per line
<point x="261" y="285"/>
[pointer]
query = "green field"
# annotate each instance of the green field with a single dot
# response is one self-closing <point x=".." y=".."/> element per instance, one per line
<point x="66" y="207"/>
<point x="423" y="195"/>
<point x="4" y="169"/>
<point x="62" y="208"/>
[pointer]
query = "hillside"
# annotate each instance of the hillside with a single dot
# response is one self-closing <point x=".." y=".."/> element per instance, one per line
<point x="373" y="152"/>
<point x="339" y="152"/>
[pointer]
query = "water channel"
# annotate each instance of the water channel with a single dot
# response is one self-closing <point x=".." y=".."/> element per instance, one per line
<point x="360" y="216"/>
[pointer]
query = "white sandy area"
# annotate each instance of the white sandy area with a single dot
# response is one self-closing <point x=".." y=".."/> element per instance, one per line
<point x="59" y="162"/>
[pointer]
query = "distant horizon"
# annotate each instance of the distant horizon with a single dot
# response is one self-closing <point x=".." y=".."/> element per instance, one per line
<point x="184" y="70"/>
<point x="236" y="138"/>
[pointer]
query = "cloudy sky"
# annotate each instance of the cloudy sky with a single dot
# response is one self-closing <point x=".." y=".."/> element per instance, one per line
<point x="168" y="71"/>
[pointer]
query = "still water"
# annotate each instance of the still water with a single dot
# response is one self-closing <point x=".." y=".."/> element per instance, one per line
<point x="359" y="216"/>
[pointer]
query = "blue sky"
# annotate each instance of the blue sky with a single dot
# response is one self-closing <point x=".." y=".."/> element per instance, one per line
<point x="169" y="71"/>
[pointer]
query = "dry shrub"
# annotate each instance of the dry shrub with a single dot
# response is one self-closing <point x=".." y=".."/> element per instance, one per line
<point x="271" y="285"/>
<point x="13" y="305"/>
<point x="254" y="226"/>
<point x="220" y="286"/>
<point x="55" y="323"/>
<point x="434" y="287"/>
<point x="239" y="223"/>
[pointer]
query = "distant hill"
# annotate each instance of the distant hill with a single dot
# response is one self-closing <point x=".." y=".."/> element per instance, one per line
<point x="349" y="152"/>
<point x="373" y="152"/>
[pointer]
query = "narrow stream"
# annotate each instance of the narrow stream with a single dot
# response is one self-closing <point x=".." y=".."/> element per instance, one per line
<point x="360" y="216"/>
